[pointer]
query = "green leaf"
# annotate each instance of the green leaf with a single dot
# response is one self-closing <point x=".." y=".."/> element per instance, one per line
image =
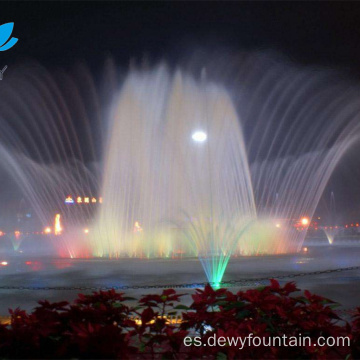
<point x="117" y="305"/>
<point x="142" y="347"/>
<point x="222" y="303"/>
<point x="235" y="305"/>
<point x="261" y="288"/>
<point x="243" y="314"/>
<point x="181" y="307"/>
<point x="221" y="356"/>
<point x="55" y="338"/>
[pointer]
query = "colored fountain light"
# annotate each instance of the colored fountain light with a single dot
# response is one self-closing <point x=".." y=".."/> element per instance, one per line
<point x="57" y="225"/>
<point x="305" y="221"/>
<point x="185" y="169"/>
<point x="69" y="200"/>
<point x="330" y="231"/>
<point x="47" y="230"/>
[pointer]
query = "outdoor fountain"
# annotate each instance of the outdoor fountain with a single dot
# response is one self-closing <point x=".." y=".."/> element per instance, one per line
<point x="177" y="175"/>
<point x="332" y="231"/>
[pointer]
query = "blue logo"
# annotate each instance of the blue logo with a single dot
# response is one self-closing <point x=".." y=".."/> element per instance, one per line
<point x="5" y="33"/>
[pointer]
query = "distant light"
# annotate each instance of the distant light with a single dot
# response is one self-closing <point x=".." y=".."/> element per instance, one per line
<point x="86" y="231"/>
<point x="305" y="249"/>
<point x="4" y="263"/>
<point x="57" y="225"/>
<point x="86" y="200"/>
<point x="1" y="233"/>
<point x="93" y="200"/>
<point x="278" y="225"/>
<point x="17" y="234"/>
<point x="69" y="200"/>
<point x="199" y="136"/>
<point x="305" y="221"/>
<point x="47" y="230"/>
<point x="137" y="227"/>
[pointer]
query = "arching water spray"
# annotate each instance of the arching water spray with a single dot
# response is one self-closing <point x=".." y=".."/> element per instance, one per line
<point x="179" y="177"/>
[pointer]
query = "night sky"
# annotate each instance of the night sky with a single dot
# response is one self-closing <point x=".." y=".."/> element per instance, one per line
<point x="59" y="34"/>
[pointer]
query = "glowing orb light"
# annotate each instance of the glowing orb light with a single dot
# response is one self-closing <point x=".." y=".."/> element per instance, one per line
<point x="47" y="230"/>
<point x="305" y="221"/>
<point x="199" y="136"/>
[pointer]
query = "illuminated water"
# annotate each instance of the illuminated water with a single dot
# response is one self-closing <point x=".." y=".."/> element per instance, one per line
<point x="94" y="273"/>
<point x="177" y="175"/>
<point x="332" y="231"/>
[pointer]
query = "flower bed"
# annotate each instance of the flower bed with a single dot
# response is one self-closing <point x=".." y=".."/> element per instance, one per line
<point x="104" y="325"/>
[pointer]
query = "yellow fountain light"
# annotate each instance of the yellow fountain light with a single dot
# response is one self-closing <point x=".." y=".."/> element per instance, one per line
<point x="137" y="227"/>
<point x="305" y="221"/>
<point x="278" y="225"/>
<point x="57" y="225"/>
<point x="47" y="230"/>
<point x="86" y="231"/>
<point x="86" y="200"/>
<point x="79" y="199"/>
<point x="93" y="200"/>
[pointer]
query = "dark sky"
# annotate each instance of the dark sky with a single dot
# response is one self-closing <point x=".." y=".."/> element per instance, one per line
<point x="57" y="33"/>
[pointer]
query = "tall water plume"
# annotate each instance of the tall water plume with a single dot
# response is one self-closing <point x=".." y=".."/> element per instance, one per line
<point x="205" y="166"/>
<point x="175" y="163"/>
